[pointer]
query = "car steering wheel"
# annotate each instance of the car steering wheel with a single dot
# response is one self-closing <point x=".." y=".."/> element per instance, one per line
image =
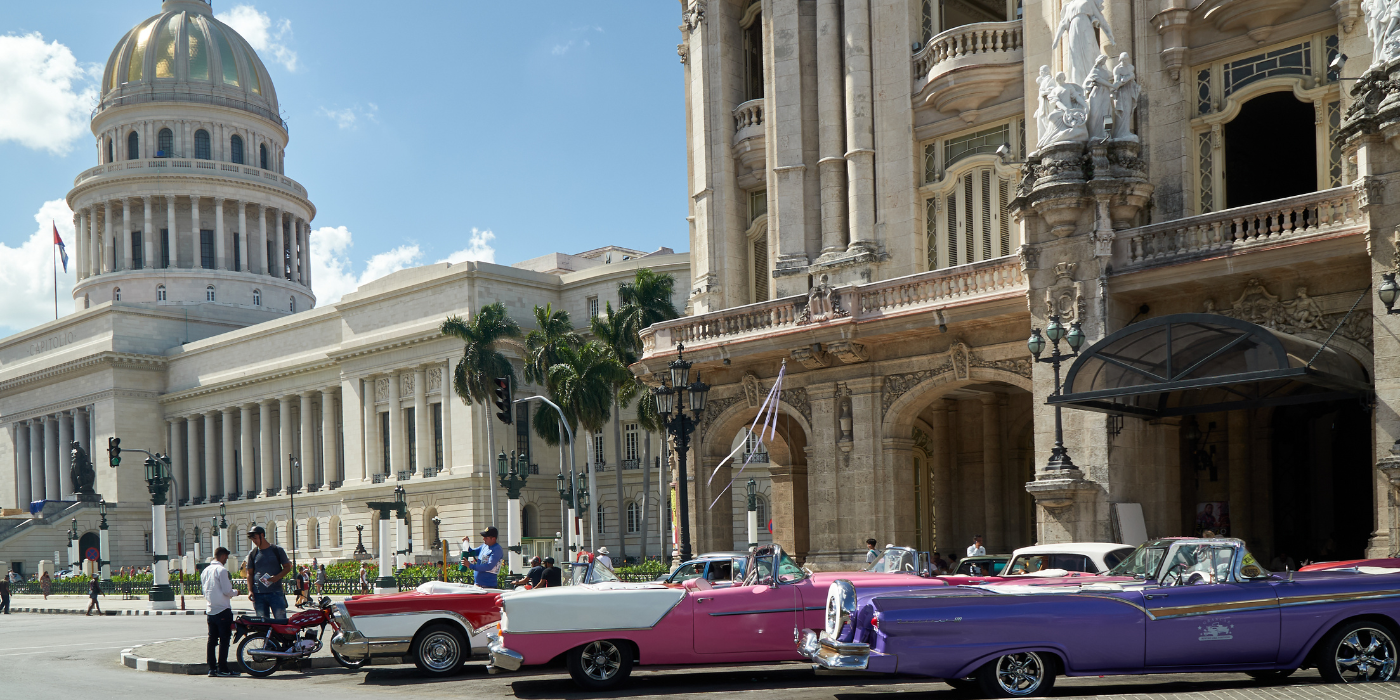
<point x="1167" y="577"/>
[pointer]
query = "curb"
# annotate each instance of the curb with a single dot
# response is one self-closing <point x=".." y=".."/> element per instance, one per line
<point x="110" y="613"/>
<point x="129" y="659"/>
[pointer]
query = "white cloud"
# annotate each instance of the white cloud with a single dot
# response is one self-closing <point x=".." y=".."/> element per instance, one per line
<point x="561" y="49"/>
<point x="349" y="117"/>
<point x="27" y="277"/>
<point x="262" y="34"/>
<point x="478" y="248"/>
<point x="332" y="272"/>
<point x="46" y="96"/>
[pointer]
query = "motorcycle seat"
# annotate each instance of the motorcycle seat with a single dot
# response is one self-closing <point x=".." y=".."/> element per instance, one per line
<point x="258" y="621"/>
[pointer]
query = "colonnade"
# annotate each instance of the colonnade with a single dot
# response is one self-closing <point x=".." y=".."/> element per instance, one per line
<point x="108" y="233"/>
<point x="42" y="447"/>
<point x="411" y="448"/>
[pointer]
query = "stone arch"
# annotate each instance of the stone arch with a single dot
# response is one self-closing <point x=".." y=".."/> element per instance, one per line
<point x="333" y="533"/>
<point x="432" y="536"/>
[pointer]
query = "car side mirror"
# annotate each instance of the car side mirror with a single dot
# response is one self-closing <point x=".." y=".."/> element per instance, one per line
<point x="925" y="565"/>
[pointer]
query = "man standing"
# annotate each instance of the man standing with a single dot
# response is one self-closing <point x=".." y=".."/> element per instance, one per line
<point x="267" y="564"/>
<point x="321" y="580"/>
<point x="871" y="554"/>
<point x="364" y="580"/>
<point x="218" y="593"/>
<point x="486" y="559"/>
<point x="5" y="594"/>
<point x="977" y="550"/>
<point x="604" y="557"/>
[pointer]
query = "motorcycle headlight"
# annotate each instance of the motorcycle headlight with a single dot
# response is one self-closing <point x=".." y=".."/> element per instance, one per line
<point x="840" y="607"/>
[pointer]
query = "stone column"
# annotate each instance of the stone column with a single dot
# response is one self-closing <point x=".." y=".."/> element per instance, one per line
<point x="97" y="257"/>
<point x="276" y="265"/>
<point x="830" y="529"/>
<point x="306" y="253"/>
<point x="80" y="234"/>
<point x="330" y="455"/>
<point x="195" y="475"/>
<point x="422" y="426"/>
<point x="65" y="442"/>
<point x="790" y="135"/>
<point x="36" y="459"/>
<point x="220" y="256"/>
<point x="307" y="444"/>
<point x="242" y="234"/>
<point x="267" y="460"/>
<point x="172" y="233"/>
<point x="177" y="458"/>
<point x="51" y="469"/>
<point x="1238" y="472"/>
<point x="24" y="491"/>
<point x="832" y="127"/>
<point x="374" y="461"/>
<point x="941" y="480"/>
<point x="992" y="496"/>
<point x="125" y="238"/>
<point x="245" y="449"/>
<point x="266" y="266"/>
<point x="109" y="257"/>
<point x="195" y="237"/>
<point x="447" y="396"/>
<point x="860" y="134"/>
<point x="148" y="237"/>
<point x="398" y="452"/>
<point x="212" y="488"/>
<point x="230" y="489"/>
<point x="284" y="424"/>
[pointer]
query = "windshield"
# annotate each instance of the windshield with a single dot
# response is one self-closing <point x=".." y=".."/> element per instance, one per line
<point x="1031" y="563"/>
<point x="897" y="560"/>
<point x="1212" y="561"/>
<point x="688" y="571"/>
<point x="1141" y="563"/>
<point x="788" y="571"/>
<point x="583" y="573"/>
<point x="980" y="567"/>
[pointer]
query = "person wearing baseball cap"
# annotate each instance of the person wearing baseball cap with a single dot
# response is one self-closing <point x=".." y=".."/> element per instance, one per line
<point x="485" y="560"/>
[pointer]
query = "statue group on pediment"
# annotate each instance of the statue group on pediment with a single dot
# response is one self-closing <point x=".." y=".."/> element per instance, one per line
<point x="1076" y="105"/>
<point x="1383" y="25"/>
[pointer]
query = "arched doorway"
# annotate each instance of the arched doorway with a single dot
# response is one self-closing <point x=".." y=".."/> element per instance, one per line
<point x="782" y="479"/>
<point x="1322" y="481"/>
<point x="89" y="546"/>
<point x="1269" y="150"/>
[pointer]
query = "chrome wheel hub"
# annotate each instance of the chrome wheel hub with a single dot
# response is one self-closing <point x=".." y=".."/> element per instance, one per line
<point x="1366" y="656"/>
<point x="601" y="660"/>
<point x="1020" y="674"/>
<point x="439" y="651"/>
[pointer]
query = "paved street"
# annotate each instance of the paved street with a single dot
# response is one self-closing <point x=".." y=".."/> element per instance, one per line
<point x="39" y="652"/>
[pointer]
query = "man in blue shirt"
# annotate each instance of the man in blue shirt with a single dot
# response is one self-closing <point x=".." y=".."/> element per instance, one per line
<point x="486" y="559"/>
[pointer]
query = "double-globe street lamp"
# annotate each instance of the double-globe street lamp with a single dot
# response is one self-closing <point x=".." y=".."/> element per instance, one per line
<point x="158" y="479"/>
<point x="512" y="472"/>
<point x="103" y="563"/>
<point x="573" y="491"/>
<point x="1074" y="337"/>
<point x="671" y="402"/>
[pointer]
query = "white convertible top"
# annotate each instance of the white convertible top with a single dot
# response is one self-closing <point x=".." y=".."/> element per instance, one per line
<point x="600" y="606"/>
<point x="444" y="588"/>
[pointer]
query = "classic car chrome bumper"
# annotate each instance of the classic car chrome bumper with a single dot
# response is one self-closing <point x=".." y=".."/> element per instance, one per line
<point x="350" y="644"/>
<point x="502" y="659"/>
<point x="832" y="655"/>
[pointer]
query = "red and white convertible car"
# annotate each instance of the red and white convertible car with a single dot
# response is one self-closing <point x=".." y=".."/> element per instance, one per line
<point x="439" y="625"/>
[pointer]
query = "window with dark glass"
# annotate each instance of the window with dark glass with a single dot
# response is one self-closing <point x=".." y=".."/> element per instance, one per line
<point x="160" y="293"/>
<point x="437" y="436"/>
<point x="165" y="247"/>
<point x="237" y="249"/>
<point x="133" y="146"/>
<point x="109" y="151"/>
<point x="235" y="148"/>
<point x="262" y="156"/>
<point x="384" y="440"/>
<point x="271" y="258"/>
<point x="753" y="60"/>
<point x="257" y="297"/>
<point x="408" y="416"/>
<point x="165" y="141"/>
<point x="137" y="262"/>
<point x="206" y="248"/>
<point x="201" y="145"/>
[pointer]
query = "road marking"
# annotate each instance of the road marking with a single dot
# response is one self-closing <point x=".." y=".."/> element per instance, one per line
<point x="30" y="653"/>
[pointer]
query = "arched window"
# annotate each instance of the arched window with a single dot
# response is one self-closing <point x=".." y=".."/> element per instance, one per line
<point x="133" y="146"/>
<point x="336" y="532"/>
<point x="313" y="533"/>
<point x="110" y="149"/>
<point x="262" y="156"/>
<point x="160" y="292"/>
<point x="165" y="142"/>
<point x="117" y="294"/>
<point x="235" y="148"/>
<point x="634" y="518"/>
<point x="257" y="297"/>
<point x="201" y="144"/>
<point x="292" y="307"/>
<point x="209" y="293"/>
<point x="527" y="521"/>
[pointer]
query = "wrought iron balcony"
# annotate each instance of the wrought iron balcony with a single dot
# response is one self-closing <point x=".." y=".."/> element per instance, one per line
<point x="377" y="478"/>
<point x="404" y="475"/>
<point x="631" y="464"/>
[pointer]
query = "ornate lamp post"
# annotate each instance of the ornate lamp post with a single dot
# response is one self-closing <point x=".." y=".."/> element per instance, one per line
<point x="72" y="547"/>
<point x="672" y="400"/>
<point x="102" y="552"/>
<point x="566" y="494"/>
<point x="437" y="533"/>
<point x="512" y="473"/>
<point x="582" y="500"/>
<point x="360" y="543"/>
<point x="389" y="512"/>
<point x="162" y="596"/>
<point x="216" y="539"/>
<point x="753" y="513"/>
<point x="223" y="526"/>
<point x="1055" y="331"/>
<point x="1388" y="291"/>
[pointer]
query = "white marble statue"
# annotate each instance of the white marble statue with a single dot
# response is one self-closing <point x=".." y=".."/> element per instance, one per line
<point x="1098" y="92"/>
<point x="1383" y="25"/>
<point x="1042" y="108"/>
<point x="1068" y="113"/>
<point x="1078" y="20"/>
<point x="1125" y="97"/>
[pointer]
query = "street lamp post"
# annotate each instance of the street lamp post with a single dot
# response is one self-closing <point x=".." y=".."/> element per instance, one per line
<point x="1055" y="331"/>
<point x="223" y="526"/>
<point x="673" y="399"/>
<point x="162" y="597"/>
<point x="360" y="543"/>
<point x="753" y="513"/>
<point x="566" y="494"/>
<point x="512" y="473"/>
<point x="389" y="512"/>
<point x="582" y="501"/>
<point x="72" y="546"/>
<point x="102" y="552"/>
<point x="216" y="538"/>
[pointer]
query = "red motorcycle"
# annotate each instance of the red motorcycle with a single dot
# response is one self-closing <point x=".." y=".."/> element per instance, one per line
<point x="266" y="643"/>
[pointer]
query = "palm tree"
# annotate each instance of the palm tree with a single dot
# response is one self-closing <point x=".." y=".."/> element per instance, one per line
<point x="542" y="345"/>
<point x="644" y="301"/>
<point x="610" y="332"/>
<point x="482" y="361"/>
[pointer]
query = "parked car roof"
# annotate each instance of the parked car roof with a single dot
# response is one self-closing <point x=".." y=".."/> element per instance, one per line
<point x="1074" y="548"/>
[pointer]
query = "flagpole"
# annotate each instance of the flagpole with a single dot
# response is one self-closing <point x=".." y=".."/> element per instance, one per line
<point x="54" y="247"/>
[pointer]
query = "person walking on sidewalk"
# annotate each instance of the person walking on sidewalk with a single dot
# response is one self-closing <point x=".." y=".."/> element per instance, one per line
<point x="94" y="589"/>
<point x="321" y="580"/>
<point x="46" y="585"/>
<point x="364" y="580"/>
<point x="5" y="594"/>
<point x="267" y="565"/>
<point x="219" y="593"/>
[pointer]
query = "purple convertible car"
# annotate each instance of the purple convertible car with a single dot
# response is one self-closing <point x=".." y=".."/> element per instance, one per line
<point x="1174" y="606"/>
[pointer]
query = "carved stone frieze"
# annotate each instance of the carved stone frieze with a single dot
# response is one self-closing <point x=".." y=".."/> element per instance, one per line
<point x="693" y="14"/>
<point x="406" y="384"/>
<point x="715" y="407"/>
<point x="797" y="399"/>
<point x="812" y="357"/>
<point x="823" y="304"/>
<point x="959" y="360"/>
<point x="848" y="351"/>
<point x="1030" y="258"/>
<point x="381" y="389"/>
<point x="1302" y="313"/>
<point x="753" y="389"/>
<point x="435" y="380"/>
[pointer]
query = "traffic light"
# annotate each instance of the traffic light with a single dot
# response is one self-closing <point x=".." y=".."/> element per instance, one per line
<point x="503" y="400"/>
<point x="114" y="451"/>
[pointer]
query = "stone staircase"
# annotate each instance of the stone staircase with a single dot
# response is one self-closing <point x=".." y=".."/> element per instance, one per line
<point x="53" y="512"/>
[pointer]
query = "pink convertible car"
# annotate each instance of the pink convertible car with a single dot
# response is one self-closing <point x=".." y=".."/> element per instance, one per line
<point x="601" y="627"/>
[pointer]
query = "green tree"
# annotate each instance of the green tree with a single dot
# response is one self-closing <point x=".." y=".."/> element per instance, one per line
<point x="482" y="361"/>
<point x="553" y="331"/>
<point x="610" y="332"/>
<point x="644" y="301"/>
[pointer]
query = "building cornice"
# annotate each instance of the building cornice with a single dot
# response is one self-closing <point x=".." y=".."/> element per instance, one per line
<point x="165" y="180"/>
<point x="246" y="380"/>
<point x="127" y="359"/>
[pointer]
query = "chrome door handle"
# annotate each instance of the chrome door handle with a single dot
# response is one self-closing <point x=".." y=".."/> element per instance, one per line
<point x="1156" y="595"/>
<point x="702" y="600"/>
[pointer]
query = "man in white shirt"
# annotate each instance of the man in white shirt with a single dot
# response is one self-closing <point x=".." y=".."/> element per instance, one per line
<point x="219" y="593"/>
<point x="977" y="550"/>
<point x="603" y="558"/>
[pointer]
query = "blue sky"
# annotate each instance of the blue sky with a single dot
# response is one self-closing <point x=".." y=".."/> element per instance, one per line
<point x="560" y="127"/>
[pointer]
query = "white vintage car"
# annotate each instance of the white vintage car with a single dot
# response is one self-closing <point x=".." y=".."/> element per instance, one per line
<point x="1082" y="557"/>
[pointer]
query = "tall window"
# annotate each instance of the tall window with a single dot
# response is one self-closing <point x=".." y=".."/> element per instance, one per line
<point x="384" y="439"/>
<point x="110" y="149"/>
<point x="634" y="518"/>
<point x="974" y="224"/>
<point x="201" y="145"/>
<point x="760" y="267"/>
<point x="761" y="509"/>
<point x="257" y="297"/>
<point x="292" y="304"/>
<point x="235" y="148"/>
<point x="165" y="141"/>
<point x="206" y="248"/>
<point x="160" y="292"/>
<point x="753" y="60"/>
<point x="137" y="260"/>
<point x="133" y="145"/>
<point x="437" y="436"/>
<point x="117" y="294"/>
<point x="593" y="307"/>
<point x="237" y="250"/>
<point x="209" y="293"/>
<point x="630" y="433"/>
<point x="602" y="520"/>
<point x="165" y="247"/>
<point x="262" y="156"/>
<point x="408" y="416"/>
<point x="600" y="456"/>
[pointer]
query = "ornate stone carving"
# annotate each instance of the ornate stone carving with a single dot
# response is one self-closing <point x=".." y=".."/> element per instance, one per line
<point x="811" y="358"/>
<point x="715" y="407"/>
<point x="1030" y="258"/>
<point x="844" y="421"/>
<point x="435" y="380"/>
<point x="848" y="351"/>
<point x="753" y="389"/>
<point x="1064" y="298"/>
<point x="80" y="471"/>
<point x="693" y="15"/>
<point x="406" y="384"/>
<point x="823" y="304"/>
<point x="958" y="360"/>
<point x="381" y="389"/>
<point x="1081" y="22"/>
<point x="1302" y="313"/>
<point x="1021" y="366"/>
<point x="684" y="52"/>
<point x="797" y="399"/>
<point x="922" y="442"/>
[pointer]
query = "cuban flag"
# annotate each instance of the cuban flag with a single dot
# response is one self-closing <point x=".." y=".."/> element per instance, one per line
<point x="62" y="251"/>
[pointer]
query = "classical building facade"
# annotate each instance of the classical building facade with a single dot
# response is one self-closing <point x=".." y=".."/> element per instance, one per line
<point x="889" y="195"/>
<point x="195" y="336"/>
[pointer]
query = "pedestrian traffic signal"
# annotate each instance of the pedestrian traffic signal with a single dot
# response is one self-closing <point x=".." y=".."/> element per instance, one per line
<point x="503" y="400"/>
<point x="114" y="451"/>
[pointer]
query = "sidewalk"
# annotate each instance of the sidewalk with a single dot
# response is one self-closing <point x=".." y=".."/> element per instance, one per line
<point x="114" y="605"/>
<point x="186" y="657"/>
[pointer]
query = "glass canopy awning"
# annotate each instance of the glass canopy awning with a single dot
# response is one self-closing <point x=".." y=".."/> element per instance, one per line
<point x="1198" y="363"/>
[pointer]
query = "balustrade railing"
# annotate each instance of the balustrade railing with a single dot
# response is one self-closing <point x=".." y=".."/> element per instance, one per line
<point x="1328" y="211"/>
<point x="168" y="166"/>
<point x="997" y="40"/>
<point x="912" y="293"/>
<point x="748" y="114"/>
